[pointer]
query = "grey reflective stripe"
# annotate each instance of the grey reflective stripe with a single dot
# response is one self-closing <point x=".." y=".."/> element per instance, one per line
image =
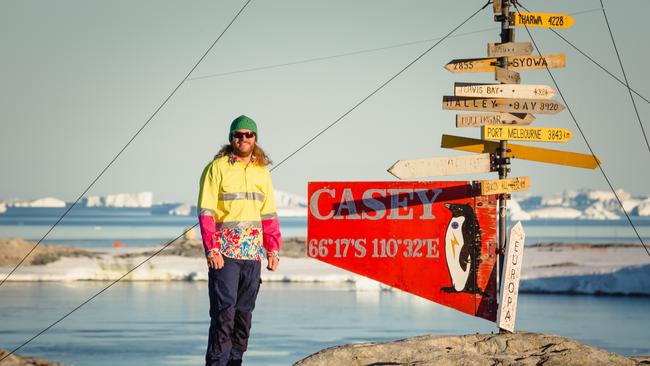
<point x="241" y="224"/>
<point x="205" y="211"/>
<point x="242" y="196"/>
<point x="272" y="215"/>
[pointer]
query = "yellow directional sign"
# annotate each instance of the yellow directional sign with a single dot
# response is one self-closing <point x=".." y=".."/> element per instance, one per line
<point x="503" y="91"/>
<point x="510" y="105"/>
<point x="514" y="63"/>
<point x="505" y="185"/>
<point x="522" y="152"/>
<point x="481" y="119"/>
<point x="544" y="20"/>
<point x="539" y="134"/>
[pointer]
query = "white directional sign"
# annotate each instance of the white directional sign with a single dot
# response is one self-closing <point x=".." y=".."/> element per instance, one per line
<point x="511" y="275"/>
<point x="509" y="49"/>
<point x="482" y="119"/>
<point x="503" y="91"/>
<point x="437" y="166"/>
<point x="510" y="105"/>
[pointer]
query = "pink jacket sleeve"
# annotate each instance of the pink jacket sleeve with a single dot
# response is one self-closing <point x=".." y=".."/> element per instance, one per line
<point x="208" y="232"/>
<point x="271" y="238"/>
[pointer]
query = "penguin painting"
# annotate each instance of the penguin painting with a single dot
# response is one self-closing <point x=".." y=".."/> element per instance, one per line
<point x="462" y="249"/>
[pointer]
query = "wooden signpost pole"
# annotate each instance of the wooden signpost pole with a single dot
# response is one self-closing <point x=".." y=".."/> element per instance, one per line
<point x="507" y="35"/>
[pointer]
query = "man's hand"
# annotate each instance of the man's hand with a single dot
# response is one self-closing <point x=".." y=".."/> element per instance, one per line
<point x="273" y="261"/>
<point x="215" y="260"/>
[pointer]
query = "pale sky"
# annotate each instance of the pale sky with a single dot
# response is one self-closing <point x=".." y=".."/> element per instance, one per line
<point x="79" y="78"/>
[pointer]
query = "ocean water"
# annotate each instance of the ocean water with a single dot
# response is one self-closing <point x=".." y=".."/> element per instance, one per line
<point x="97" y="228"/>
<point x="165" y="323"/>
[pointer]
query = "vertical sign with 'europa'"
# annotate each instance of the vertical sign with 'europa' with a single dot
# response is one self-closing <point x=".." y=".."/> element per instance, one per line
<point x="436" y="240"/>
<point x="511" y="274"/>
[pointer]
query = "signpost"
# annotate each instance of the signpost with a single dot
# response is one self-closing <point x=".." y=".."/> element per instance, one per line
<point x="522" y="152"/>
<point x="509" y="49"/>
<point x="510" y="275"/>
<point x="505" y="185"/>
<point x="511" y="105"/>
<point x="503" y="91"/>
<point x="436" y="240"/>
<point x="431" y="167"/>
<point x="534" y="62"/>
<point x="544" y="20"/>
<point x="539" y="134"/>
<point x="481" y="119"/>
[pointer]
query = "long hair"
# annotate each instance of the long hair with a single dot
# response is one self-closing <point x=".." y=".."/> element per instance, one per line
<point x="259" y="156"/>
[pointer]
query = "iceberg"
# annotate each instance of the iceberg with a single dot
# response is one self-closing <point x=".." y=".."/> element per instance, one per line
<point x="121" y="200"/>
<point x="643" y="208"/>
<point x="184" y="209"/>
<point x="555" y="213"/>
<point x="40" y="203"/>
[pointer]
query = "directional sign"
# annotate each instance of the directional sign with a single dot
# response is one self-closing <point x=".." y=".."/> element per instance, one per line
<point x="505" y="185"/>
<point x="506" y="76"/>
<point x="511" y="274"/>
<point x="514" y="63"/>
<point x="539" y="106"/>
<point x="481" y="119"/>
<point x="544" y="20"/>
<point x="539" y="134"/>
<point x="436" y="240"/>
<point x="437" y="166"/>
<point x="509" y="49"/>
<point x="496" y="6"/>
<point x="503" y="91"/>
<point x="522" y="152"/>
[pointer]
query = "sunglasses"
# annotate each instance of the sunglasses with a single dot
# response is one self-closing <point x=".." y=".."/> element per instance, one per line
<point x="239" y="135"/>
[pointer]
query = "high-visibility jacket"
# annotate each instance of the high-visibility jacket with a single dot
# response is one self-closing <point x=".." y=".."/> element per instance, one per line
<point x="237" y="213"/>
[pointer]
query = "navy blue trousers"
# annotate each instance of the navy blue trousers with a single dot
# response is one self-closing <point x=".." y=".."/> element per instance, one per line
<point x="233" y="290"/>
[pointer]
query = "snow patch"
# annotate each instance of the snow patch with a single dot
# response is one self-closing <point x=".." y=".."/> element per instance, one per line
<point x="633" y="280"/>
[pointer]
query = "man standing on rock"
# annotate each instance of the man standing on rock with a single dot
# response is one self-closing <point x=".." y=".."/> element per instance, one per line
<point x="239" y="225"/>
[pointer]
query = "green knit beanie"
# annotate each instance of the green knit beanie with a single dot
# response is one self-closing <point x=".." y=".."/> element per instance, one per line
<point x="243" y="123"/>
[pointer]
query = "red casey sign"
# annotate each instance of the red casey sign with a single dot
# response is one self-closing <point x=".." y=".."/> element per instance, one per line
<point x="436" y="240"/>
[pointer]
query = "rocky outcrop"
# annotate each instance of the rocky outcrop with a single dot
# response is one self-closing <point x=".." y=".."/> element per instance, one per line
<point x="16" y="360"/>
<point x="12" y="250"/>
<point x="479" y="349"/>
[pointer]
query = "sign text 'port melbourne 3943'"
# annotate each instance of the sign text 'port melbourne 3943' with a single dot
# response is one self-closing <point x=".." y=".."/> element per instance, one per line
<point x="436" y="240"/>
